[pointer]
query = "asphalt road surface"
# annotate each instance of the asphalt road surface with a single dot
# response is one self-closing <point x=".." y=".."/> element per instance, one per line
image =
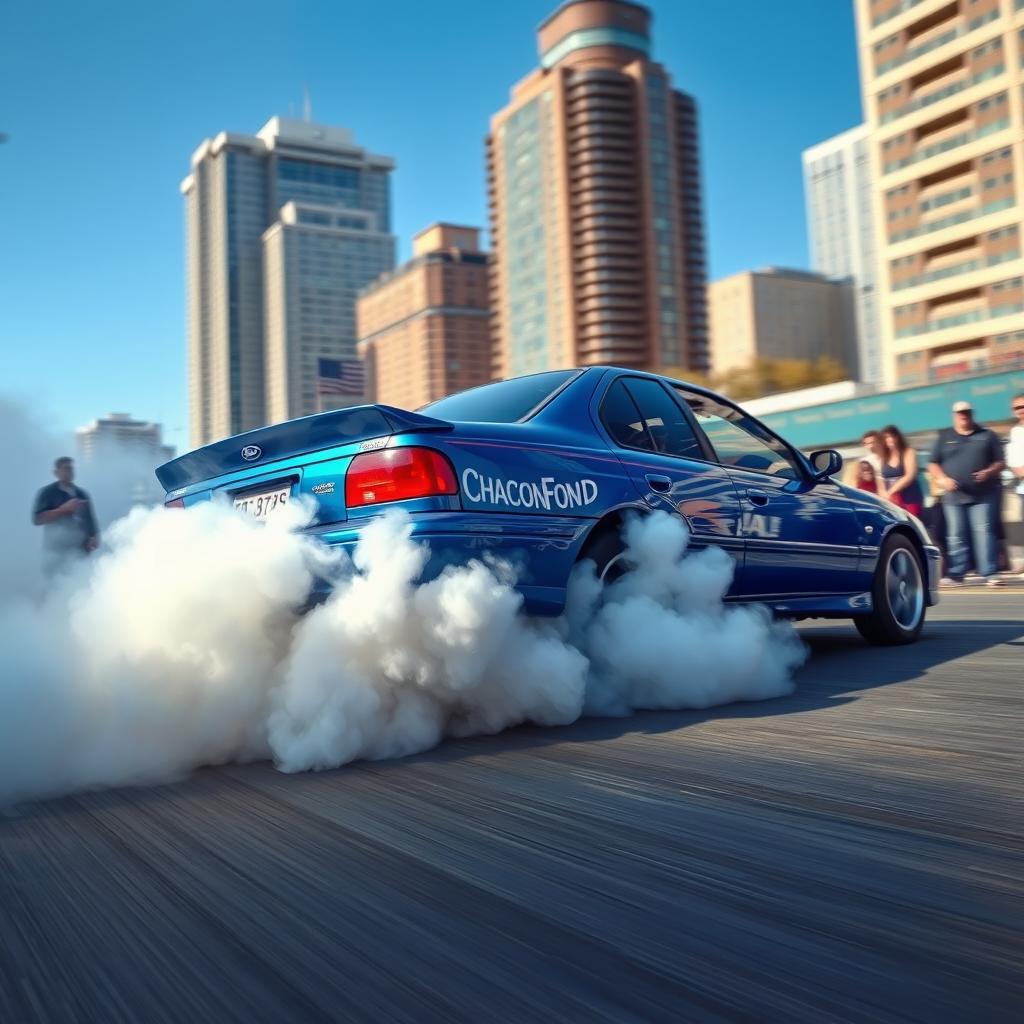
<point x="850" y="853"/>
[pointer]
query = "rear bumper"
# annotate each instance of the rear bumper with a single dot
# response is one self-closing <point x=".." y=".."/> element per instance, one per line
<point x="540" y="549"/>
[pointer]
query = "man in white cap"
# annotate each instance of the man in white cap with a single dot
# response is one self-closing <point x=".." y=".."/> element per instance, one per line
<point x="966" y="462"/>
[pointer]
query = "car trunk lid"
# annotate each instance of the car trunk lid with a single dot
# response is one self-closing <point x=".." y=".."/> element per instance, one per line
<point x="254" y="454"/>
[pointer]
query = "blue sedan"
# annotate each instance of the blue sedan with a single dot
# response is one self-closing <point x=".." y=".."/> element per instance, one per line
<point x="543" y="470"/>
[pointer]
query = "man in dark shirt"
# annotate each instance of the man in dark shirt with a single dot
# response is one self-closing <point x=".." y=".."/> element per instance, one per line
<point x="966" y="462"/>
<point x="65" y="513"/>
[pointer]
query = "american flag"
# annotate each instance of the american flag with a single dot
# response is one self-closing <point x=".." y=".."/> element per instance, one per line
<point x="340" y="377"/>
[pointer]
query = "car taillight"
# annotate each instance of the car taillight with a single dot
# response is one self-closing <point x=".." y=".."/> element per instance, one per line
<point x="177" y="503"/>
<point x="397" y="474"/>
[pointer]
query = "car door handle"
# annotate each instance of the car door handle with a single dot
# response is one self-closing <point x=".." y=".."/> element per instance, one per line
<point x="756" y="497"/>
<point x="659" y="483"/>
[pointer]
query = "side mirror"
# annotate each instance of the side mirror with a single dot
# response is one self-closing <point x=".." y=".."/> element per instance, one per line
<point x="826" y="463"/>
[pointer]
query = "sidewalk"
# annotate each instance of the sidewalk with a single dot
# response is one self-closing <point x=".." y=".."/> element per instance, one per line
<point x="1012" y="581"/>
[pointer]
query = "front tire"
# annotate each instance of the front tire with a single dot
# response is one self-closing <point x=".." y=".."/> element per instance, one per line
<point x="898" y="596"/>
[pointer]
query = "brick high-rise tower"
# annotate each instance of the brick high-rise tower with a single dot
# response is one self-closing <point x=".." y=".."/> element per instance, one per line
<point x="595" y="204"/>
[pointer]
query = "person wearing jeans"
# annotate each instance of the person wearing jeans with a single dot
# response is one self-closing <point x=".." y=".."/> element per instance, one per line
<point x="966" y="462"/>
<point x="979" y="517"/>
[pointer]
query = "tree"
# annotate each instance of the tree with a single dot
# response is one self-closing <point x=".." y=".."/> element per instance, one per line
<point x="763" y="376"/>
<point x="771" y="376"/>
<point x="681" y="373"/>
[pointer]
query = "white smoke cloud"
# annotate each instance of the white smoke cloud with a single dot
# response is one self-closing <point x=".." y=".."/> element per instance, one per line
<point x="388" y="667"/>
<point x="119" y="478"/>
<point x="152" y="657"/>
<point x="662" y="637"/>
<point x="183" y="643"/>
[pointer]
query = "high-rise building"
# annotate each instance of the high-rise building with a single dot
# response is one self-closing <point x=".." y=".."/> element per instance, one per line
<point x="841" y="231"/>
<point x="774" y="313"/>
<point x="316" y="260"/>
<point x="284" y="227"/>
<point x="942" y="89"/>
<point x="119" y="434"/>
<point x="424" y="328"/>
<point x="118" y="456"/>
<point x="595" y="204"/>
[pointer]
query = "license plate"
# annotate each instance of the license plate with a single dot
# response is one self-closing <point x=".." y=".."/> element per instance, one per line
<point x="264" y="504"/>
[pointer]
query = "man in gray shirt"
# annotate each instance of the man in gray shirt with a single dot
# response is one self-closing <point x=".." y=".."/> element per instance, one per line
<point x="65" y="513"/>
<point x="965" y="463"/>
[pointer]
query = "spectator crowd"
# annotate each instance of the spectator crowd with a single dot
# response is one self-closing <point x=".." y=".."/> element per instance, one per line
<point x="960" y="497"/>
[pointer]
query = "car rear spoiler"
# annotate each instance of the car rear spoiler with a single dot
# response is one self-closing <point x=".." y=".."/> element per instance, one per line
<point x="296" y="437"/>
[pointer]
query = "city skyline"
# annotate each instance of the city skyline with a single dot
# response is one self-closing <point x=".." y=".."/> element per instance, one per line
<point x="114" y="238"/>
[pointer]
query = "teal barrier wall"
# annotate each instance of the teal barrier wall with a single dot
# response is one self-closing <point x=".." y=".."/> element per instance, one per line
<point x="912" y="410"/>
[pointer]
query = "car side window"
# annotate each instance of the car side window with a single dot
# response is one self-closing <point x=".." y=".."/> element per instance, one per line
<point x="669" y="429"/>
<point x="739" y="441"/>
<point x="622" y="419"/>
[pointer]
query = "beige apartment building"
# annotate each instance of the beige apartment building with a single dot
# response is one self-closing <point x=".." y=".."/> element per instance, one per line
<point x="942" y="87"/>
<point x="595" y="204"/>
<point x="774" y="313"/>
<point x="424" y="328"/>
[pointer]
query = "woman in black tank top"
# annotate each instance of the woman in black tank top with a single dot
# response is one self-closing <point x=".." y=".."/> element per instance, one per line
<point x="899" y="472"/>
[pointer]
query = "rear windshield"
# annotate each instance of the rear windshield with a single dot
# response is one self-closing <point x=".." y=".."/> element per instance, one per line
<point x="504" y="401"/>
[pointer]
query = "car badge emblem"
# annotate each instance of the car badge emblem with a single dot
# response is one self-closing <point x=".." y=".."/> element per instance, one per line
<point x="251" y="451"/>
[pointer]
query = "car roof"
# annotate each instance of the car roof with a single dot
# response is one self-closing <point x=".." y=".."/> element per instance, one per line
<point x="633" y="372"/>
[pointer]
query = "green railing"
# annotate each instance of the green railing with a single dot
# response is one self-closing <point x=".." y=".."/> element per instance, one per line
<point x="942" y="94"/>
<point x="953" y="218"/>
<point x="956" y="269"/>
<point x="933" y="44"/>
<point x="906" y="5"/>
<point x="946" y="199"/>
<point x="960" y="319"/>
<point x="953" y="142"/>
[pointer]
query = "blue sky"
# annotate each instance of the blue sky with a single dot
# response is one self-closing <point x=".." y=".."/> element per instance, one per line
<point x="104" y="104"/>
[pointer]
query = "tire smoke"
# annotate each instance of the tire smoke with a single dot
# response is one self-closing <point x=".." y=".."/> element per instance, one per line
<point x="183" y="643"/>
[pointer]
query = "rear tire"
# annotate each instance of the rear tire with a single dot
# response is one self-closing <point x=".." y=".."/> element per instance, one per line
<point x="897" y="594"/>
<point x="606" y="552"/>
